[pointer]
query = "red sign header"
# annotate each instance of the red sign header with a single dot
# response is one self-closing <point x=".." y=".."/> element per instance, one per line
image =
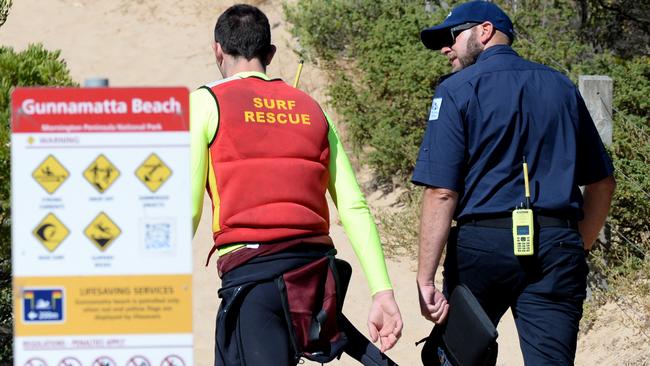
<point x="77" y="110"/>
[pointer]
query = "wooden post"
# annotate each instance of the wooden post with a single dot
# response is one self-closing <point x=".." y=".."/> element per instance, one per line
<point x="96" y="83"/>
<point x="597" y="91"/>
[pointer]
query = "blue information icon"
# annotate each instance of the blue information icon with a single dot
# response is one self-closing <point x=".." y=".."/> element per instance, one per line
<point x="43" y="305"/>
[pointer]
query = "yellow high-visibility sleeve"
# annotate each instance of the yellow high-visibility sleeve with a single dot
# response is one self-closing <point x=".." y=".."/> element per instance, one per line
<point x="355" y="215"/>
<point x="204" y="118"/>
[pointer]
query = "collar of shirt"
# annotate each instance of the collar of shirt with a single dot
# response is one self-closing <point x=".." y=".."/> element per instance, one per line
<point x="257" y="74"/>
<point x="501" y="49"/>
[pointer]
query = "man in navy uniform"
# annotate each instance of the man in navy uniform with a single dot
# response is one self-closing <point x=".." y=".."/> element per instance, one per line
<point x="492" y="111"/>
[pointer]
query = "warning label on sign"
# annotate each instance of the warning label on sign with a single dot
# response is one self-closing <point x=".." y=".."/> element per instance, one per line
<point x="70" y="361"/>
<point x="101" y="173"/>
<point x="105" y="305"/>
<point x="138" y="361"/>
<point x="50" y="232"/>
<point x="102" y="231"/>
<point x="42" y="305"/>
<point x="50" y="174"/>
<point x="172" y="360"/>
<point x="153" y="172"/>
<point x="104" y="361"/>
<point x="35" y="362"/>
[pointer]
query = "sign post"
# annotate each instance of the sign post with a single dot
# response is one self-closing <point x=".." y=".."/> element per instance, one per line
<point x="101" y="226"/>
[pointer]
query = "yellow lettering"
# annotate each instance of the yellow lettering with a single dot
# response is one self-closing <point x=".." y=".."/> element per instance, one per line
<point x="272" y="117"/>
<point x="257" y="102"/>
<point x="269" y="103"/>
<point x="249" y="116"/>
<point x="291" y="103"/>
<point x="259" y="117"/>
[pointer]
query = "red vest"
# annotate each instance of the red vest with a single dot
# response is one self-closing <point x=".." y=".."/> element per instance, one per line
<point x="270" y="158"/>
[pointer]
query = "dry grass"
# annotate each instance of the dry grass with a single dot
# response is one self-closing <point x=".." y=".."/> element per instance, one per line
<point x="399" y="229"/>
<point x="627" y="284"/>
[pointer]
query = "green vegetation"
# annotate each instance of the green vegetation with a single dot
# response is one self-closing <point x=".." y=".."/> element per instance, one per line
<point x="5" y="5"/>
<point x="5" y="250"/>
<point x="31" y="67"/>
<point x="382" y="80"/>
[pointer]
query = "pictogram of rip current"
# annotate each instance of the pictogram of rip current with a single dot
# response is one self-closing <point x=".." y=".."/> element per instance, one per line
<point x="101" y="173"/>
<point x="102" y="231"/>
<point x="50" y="174"/>
<point x="153" y="172"/>
<point x="50" y="232"/>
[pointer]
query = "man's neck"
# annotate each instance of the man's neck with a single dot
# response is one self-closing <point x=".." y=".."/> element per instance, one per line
<point x="236" y="65"/>
<point x="495" y="41"/>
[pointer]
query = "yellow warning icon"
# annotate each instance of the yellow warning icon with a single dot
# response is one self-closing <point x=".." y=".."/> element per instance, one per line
<point x="153" y="172"/>
<point x="102" y="231"/>
<point x="50" y="232"/>
<point x="101" y="173"/>
<point x="50" y="174"/>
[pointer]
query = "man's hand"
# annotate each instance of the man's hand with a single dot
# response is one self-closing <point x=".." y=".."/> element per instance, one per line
<point x="384" y="320"/>
<point x="438" y="205"/>
<point x="597" y="199"/>
<point x="433" y="303"/>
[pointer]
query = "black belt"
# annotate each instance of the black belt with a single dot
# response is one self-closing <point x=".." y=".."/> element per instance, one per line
<point x="506" y="222"/>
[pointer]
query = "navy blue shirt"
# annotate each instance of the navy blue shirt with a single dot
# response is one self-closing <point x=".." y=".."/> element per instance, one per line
<point x="485" y="118"/>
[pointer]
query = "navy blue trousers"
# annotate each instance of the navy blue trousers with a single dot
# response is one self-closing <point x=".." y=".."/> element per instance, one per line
<point x="545" y="291"/>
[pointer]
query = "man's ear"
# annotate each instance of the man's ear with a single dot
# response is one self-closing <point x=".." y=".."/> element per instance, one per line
<point x="218" y="52"/>
<point x="269" y="55"/>
<point x="487" y="31"/>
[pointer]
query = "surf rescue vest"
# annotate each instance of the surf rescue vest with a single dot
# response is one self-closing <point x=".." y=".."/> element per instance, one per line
<point x="270" y="163"/>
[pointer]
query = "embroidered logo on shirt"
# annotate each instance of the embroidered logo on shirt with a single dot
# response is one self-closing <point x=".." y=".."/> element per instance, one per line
<point x="435" y="109"/>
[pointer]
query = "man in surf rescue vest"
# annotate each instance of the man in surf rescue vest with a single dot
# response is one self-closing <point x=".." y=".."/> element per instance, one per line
<point x="267" y="154"/>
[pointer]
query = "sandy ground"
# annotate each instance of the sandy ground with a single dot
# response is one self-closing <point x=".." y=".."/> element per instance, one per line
<point x="167" y="43"/>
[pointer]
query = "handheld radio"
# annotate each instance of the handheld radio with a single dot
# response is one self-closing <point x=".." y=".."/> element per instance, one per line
<point x="523" y="223"/>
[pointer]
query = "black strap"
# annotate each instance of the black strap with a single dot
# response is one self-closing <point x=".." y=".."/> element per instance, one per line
<point x="506" y="222"/>
<point x="316" y="325"/>
<point x="361" y="349"/>
<point x="358" y="346"/>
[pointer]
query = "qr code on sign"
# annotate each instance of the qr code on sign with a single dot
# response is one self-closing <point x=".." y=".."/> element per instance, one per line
<point x="157" y="236"/>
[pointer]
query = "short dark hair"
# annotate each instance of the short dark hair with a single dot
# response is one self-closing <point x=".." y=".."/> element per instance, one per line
<point x="243" y="30"/>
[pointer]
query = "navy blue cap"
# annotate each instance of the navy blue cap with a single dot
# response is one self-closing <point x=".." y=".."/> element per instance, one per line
<point x="474" y="11"/>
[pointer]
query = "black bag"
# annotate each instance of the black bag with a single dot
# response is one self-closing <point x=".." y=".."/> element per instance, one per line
<point x="468" y="338"/>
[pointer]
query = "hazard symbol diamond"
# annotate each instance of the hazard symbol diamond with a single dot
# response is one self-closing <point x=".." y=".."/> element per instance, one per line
<point x="50" y="232"/>
<point x="101" y="173"/>
<point x="102" y="231"/>
<point x="153" y="172"/>
<point x="50" y="174"/>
